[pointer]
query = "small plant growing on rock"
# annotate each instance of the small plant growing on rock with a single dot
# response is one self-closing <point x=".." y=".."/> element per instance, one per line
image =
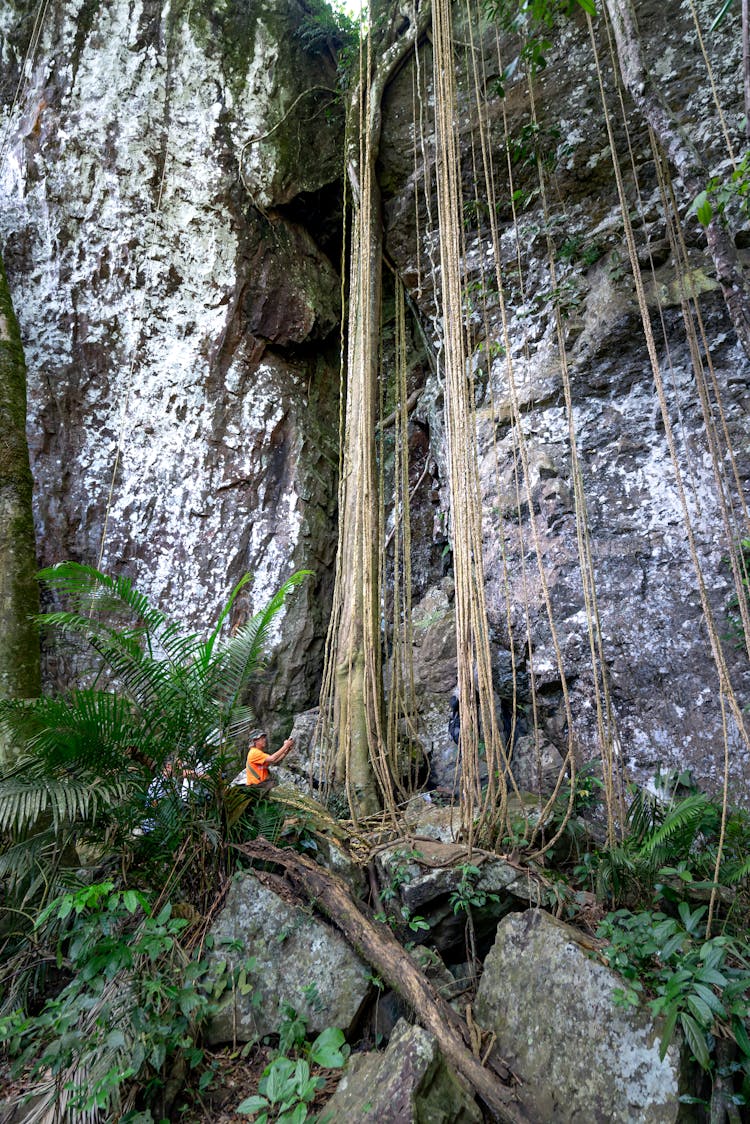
<point x="736" y="631"/>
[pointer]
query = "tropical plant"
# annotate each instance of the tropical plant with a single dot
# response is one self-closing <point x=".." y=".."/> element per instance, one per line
<point x="722" y="194"/>
<point x="734" y="617"/>
<point x="669" y="847"/>
<point x="700" y="985"/>
<point x="164" y="703"/>
<point x="134" y="999"/>
<point x="287" y="1087"/>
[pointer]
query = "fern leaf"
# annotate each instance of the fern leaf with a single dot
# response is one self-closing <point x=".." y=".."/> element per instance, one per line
<point x="682" y="822"/>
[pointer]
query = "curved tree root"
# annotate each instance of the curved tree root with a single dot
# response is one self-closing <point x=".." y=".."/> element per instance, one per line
<point x="376" y="944"/>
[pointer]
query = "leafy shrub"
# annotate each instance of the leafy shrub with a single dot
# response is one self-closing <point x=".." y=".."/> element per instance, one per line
<point x="287" y="1088"/>
<point x="133" y="1000"/>
<point x="701" y="985"/>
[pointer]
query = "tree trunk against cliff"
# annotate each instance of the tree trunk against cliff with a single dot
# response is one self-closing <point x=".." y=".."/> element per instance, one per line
<point x="685" y="158"/>
<point x="19" y="594"/>
<point x="358" y="688"/>
<point x="358" y="683"/>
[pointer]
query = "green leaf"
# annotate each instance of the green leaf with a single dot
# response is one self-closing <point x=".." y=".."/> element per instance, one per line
<point x="741" y="1036"/>
<point x="130" y="901"/>
<point x="298" y="1115"/>
<point x="158" y="1054"/>
<point x="326" y="1050"/>
<point x="590" y="7"/>
<point x="252" y="1105"/>
<point x="277" y="1079"/>
<point x="722" y="12"/>
<point x="667" y="1033"/>
<point x="711" y="976"/>
<point x="696" y="1040"/>
<point x="670" y="946"/>
<point x="701" y="1010"/>
<point x="703" y="209"/>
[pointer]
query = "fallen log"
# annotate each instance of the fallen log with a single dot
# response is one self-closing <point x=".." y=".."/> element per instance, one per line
<point x="376" y="944"/>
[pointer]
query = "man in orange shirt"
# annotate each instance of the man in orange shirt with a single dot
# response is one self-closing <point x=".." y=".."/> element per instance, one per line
<point x="258" y="759"/>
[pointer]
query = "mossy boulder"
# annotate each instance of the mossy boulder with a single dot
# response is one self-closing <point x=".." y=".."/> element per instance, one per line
<point x="408" y="1084"/>
<point x="579" y="1057"/>
<point x="299" y="962"/>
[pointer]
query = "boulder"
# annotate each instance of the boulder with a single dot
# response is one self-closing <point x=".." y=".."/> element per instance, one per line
<point x="300" y="962"/>
<point x="408" y="1084"/>
<point x="426" y="875"/>
<point x="390" y="1007"/>
<point x="432" y="821"/>
<point x="581" y="1058"/>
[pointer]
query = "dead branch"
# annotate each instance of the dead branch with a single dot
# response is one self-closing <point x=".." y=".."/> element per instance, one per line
<point x="376" y="944"/>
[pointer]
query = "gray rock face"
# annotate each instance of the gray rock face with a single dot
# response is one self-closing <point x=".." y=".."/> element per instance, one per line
<point x="174" y="309"/>
<point x="408" y="1084"/>
<point x="299" y="962"/>
<point x="655" y="651"/>
<point x="581" y="1059"/>
<point x="425" y="878"/>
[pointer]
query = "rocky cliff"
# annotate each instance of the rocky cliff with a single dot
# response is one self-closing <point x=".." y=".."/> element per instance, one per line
<point x="170" y="263"/>
<point x="169" y="215"/>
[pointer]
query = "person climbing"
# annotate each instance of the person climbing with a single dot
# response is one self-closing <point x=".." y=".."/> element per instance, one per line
<point x="258" y="759"/>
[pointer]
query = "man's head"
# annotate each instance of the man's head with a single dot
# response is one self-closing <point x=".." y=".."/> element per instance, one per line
<point x="258" y="740"/>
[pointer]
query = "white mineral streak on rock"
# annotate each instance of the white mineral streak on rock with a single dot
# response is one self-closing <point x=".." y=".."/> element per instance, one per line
<point x="118" y="201"/>
<point x="656" y="651"/>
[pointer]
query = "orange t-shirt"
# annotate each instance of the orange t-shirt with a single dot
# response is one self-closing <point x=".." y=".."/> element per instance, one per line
<point x="256" y="769"/>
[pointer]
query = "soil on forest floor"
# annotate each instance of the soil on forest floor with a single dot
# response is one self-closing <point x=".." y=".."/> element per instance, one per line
<point x="237" y="1078"/>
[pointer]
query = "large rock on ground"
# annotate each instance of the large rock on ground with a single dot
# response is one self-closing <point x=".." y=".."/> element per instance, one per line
<point x="581" y="1058"/>
<point x="408" y="1084"/>
<point x="300" y="962"/>
<point x="425" y="877"/>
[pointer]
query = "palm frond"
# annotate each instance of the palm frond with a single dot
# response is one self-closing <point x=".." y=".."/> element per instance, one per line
<point x="85" y="729"/>
<point x="89" y="590"/>
<point x="645" y="813"/>
<point x="25" y="800"/>
<point x="62" y="1099"/>
<point x="681" y="824"/>
<point x="734" y="871"/>
<point x="242" y="654"/>
<point x="209" y="645"/>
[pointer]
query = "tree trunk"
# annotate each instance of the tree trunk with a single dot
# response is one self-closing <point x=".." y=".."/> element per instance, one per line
<point x="19" y="593"/>
<point x="376" y="944"/>
<point x="358" y="692"/>
<point x="685" y="159"/>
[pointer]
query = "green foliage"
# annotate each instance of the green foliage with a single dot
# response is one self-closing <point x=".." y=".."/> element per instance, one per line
<point x="468" y="895"/>
<point x="701" y="985"/>
<point x="532" y="21"/>
<point x="175" y="696"/>
<point x="721" y="196"/>
<point x="86" y="760"/>
<point x="399" y="874"/>
<point x="575" y="250"/>
<point x="726" y="5"/>
<point x="670" y="847"/>
<point x="565" y="297"/>
<point x="134" y="998"/>
<point x="287" y="1087"/>
<point x="736" y="628"/>
<point x="328" y="29"/>
<point x="535" y="143"/>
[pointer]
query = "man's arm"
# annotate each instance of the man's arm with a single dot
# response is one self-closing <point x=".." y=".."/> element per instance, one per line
<point x="280" y="754"/>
